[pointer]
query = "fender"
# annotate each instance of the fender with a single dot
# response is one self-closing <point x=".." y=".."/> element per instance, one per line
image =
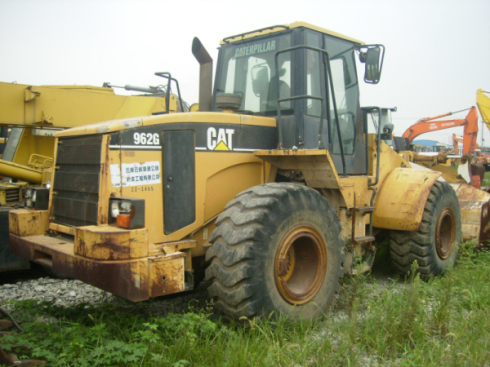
<point x="402" y="197"/>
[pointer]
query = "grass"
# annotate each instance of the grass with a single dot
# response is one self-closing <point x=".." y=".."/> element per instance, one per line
<point x="379" y="320"/>
<point x="486" y="179"/>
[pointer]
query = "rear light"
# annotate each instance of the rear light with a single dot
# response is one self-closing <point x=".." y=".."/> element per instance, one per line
<point x="124" y="221"/>
<point x="127" y="213"/>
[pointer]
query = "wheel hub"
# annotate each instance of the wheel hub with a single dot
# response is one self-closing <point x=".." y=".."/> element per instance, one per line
<point x="300" y="265"/>
<point x="445" y="233"/>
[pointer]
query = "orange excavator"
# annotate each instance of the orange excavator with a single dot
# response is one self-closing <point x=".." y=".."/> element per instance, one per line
<point x="428" y="124"/>
<point x="457" y="140"/>
<point x="470" y="123"/>
<point x="478" y="155"/>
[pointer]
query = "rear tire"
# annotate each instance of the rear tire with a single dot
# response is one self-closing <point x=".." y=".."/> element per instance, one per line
<point x="435" y="245"/>
<point x="276" y="247"/>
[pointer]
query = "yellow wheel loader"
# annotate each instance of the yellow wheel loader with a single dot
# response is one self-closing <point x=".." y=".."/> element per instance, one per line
<point x="35" y="113"/>
<point x="270" y="192"/>
<point x="474" y="203"/>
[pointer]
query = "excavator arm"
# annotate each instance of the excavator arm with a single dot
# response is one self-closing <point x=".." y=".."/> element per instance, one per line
<point x="428" y="124"/>
<point x="456" y="141"/>
<point x="459" y="140"/>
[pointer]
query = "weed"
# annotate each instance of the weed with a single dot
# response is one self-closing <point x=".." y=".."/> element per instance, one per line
<point x="376" y="321"/>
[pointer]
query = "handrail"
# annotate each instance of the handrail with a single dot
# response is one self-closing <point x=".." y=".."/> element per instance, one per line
<point x="168" y="76"/>
<point x="378" y="147"/>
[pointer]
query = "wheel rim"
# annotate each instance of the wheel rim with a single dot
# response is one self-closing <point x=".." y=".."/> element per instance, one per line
<point x="445" y="233"/>
<point x="300" y="265"/>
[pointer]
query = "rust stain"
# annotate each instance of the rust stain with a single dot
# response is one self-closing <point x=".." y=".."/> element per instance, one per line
<point x="82" y="250"/>
<point x="115" y="249"/>
<point x="167" y="274"/>
<point x="474" y="205"/>
<point x="116" y="277"/>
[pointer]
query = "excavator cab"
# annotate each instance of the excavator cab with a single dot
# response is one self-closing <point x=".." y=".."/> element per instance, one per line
<point x="307" y="80"/>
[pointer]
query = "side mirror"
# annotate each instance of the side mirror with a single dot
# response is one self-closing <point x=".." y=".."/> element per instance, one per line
<point x="387" y="132"/>
<point x="388" y="129"/>
<point x="372" y="56"/>
<point x="260" y="79"/>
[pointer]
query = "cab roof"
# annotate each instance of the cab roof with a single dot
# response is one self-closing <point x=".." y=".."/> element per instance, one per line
<point x="279" y="28"/>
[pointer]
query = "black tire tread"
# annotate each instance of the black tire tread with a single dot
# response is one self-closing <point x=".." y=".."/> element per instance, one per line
<point x="232" y="254"/>
<point x="407" y="247"/>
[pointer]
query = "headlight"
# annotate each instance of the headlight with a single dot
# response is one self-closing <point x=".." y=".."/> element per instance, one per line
<point x="114" y="209"/>
<point x="28" y="193"/>
<point x="48" y="184"/>
<point x="127" y="213"/>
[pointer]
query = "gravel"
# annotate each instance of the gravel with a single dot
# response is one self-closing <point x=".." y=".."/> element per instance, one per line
<point x="69" y="293"/>
<point x="63" y="292"/>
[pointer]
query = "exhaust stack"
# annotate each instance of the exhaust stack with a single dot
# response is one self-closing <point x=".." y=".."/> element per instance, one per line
<point x="205" y="75"/>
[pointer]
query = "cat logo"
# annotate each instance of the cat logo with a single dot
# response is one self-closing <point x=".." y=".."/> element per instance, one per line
<point x="220" y="139"/>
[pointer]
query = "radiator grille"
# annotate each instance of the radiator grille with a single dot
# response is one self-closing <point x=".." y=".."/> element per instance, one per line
<point x="12" y="196"/>
<point x="76" y="181"/>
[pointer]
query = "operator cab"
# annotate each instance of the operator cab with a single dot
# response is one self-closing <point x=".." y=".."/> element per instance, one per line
<point x="306" y="78"/>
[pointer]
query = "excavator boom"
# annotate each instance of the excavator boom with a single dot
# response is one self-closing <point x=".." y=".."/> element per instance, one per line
<point x="64" y="106"/>
<point x="428" y="124"/>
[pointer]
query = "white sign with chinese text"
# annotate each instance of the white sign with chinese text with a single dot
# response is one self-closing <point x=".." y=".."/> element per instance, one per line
<point x="135" y="174"/>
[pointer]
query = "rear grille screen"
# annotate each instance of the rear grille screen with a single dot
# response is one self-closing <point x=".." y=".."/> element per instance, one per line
<point x="12" y="196"/>
<point x="76" y="181"/>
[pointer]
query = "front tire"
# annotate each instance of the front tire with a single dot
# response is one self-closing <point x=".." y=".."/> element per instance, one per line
<point x="276" y="247"/>
<point x="435" y="245"/>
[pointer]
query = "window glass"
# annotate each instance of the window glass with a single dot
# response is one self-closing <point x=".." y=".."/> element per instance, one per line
<point x="314" y="81"/>
<point x="346" y="120"/>
<point x="373" y="120"/>
<point x="344" y="80"/>
<point x="248" y="69"/>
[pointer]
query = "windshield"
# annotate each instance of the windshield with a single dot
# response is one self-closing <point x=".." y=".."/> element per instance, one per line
<point x="248" y="70"/>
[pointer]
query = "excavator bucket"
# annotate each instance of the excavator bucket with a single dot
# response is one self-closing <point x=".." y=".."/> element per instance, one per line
<point x="474" y="204"/>
<point x="475" y="216"/>
<point x="484" y="224"/>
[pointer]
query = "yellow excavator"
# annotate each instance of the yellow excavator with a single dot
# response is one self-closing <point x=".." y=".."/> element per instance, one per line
<point x="33" y="114"/>
<point x="271" y="192"/>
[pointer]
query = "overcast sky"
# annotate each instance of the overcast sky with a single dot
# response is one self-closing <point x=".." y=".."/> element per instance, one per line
<point x="437" y="52"/>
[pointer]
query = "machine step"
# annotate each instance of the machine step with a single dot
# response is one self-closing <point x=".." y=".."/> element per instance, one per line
<point x="364" y="239"/>
<point x="365" y="209"/>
